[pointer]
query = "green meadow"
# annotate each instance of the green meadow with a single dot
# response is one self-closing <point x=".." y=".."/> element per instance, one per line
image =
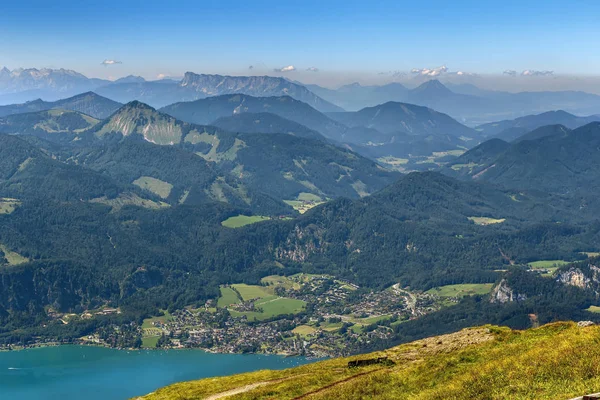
<point x="242" y="220"/>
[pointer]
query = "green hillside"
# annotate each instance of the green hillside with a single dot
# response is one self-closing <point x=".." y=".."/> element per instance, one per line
<point x="47" y="122"/>
<point x="279" y="165"/>
<point x="88" y="103"/>
<point x="557" y="361"/>
<point x="265" y="123"/>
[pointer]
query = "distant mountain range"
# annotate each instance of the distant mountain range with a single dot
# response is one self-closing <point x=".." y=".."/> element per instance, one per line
<point x="391" y="129"/>
<point x="466" y="103"/>
<point x="395" y="129"/>
<point x="510" y="130"/>
<point x="22" y="85"/>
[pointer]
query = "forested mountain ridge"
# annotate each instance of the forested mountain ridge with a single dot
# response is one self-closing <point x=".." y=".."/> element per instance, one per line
<point x="206" y="111"/>
<point x="510" y="130"/>
<point x="265" y="123"/>
<point x="264" y="86"/>
<point x="175" y="175"/>
<point x="54" y="121"/>
<point x="402" y="117"/>
<point x="556" y="160"/>
<point x="86" y="103"/>
<point x="279" y="165"/>
<point x="200" y="86"/>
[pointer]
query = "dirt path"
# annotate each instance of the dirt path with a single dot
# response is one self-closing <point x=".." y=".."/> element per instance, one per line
<point x="239" y="390"/>
<point x="247" y="388"/>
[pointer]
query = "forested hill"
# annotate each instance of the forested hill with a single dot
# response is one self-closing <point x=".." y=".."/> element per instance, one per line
<point x="206" y="111"/>
<point x="176" y="175"/>
<point x="556" y="160"/>
<point x="44" y="123"/>
<point x="86" y="103"/>
<point x="265" y="123"/>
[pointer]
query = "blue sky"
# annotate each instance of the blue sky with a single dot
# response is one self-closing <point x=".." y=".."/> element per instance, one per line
<point x="348" y="38"/>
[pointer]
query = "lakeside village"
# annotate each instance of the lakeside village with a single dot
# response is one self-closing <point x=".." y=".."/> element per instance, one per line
<point x="308" y="315"/>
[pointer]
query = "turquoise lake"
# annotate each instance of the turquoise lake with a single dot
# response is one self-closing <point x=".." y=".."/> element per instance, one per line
<point x="96" y="373"/>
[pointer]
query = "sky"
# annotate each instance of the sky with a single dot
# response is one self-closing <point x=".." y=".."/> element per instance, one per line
<point x="329" y="42"/>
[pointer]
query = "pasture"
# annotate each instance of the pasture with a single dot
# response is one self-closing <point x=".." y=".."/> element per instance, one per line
<point x="271" y="307"/>
<point x="251" y="292"/>
<point x="461" y="290"/>
<point x="156" y="186"/>
<point x="228" y="297"/>
<point x="483" y="221"/>
<point x="242" y="220"/>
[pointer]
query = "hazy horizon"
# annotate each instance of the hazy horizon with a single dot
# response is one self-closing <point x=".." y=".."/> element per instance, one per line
<point x="511" y="46"/>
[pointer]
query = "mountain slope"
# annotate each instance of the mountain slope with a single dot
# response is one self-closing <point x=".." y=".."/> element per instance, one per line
<point x="175" y="175"/>
<point x="561" y="161"/>
<point x="265" y="123"/>
<point x="28" y="173"/>
<point x="46" y="83"/>
<point x="279" y="165"/>
<point x="47" y="122"/>
<point x="554" y="131"/>
<point x="206" y="111"/>
<point x="87" y="103"/>
<point x="199" y="86"/>
<point x="486" y="362"/>
<point x="401" y="117"/>
<point x="510" y="130"/>
<point x="263" y="86"/>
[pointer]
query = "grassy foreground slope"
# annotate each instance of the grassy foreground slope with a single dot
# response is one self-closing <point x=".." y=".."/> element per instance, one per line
<point x="556" y="361"/>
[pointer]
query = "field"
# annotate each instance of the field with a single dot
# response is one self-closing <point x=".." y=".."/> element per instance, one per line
<point x="242" y="220"/>
<point x="7" y="206"/>
<point x="282" y="281"/>
<point x="12" y="257"/>
<point x="302" y="206"/>
<point x="458" y="167"/>
<point x="547" y="264"/>
<point x="486" y="221"/>
<point x="148" y="322"/>
<point x="304" y="330"/>
<point x="228" y="297"/>
<point x="251" y="292"/>
<point x="264" y="299"/>
<point x="465" y="289"/>
<point x="272" y="306"/>
<point x="591" y="254"/>
<point x="309" y="197"/>
<point x="156" y="186"/>
<point x="149" y="342"/>
<point x="150" y="332"/>
<point x="594" y="309"/>
<point x="550" y="265"/>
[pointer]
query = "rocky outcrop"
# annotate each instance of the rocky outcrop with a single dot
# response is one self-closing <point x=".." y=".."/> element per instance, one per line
<point x="503" y="293"/>
<point x="574" y="277"/>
